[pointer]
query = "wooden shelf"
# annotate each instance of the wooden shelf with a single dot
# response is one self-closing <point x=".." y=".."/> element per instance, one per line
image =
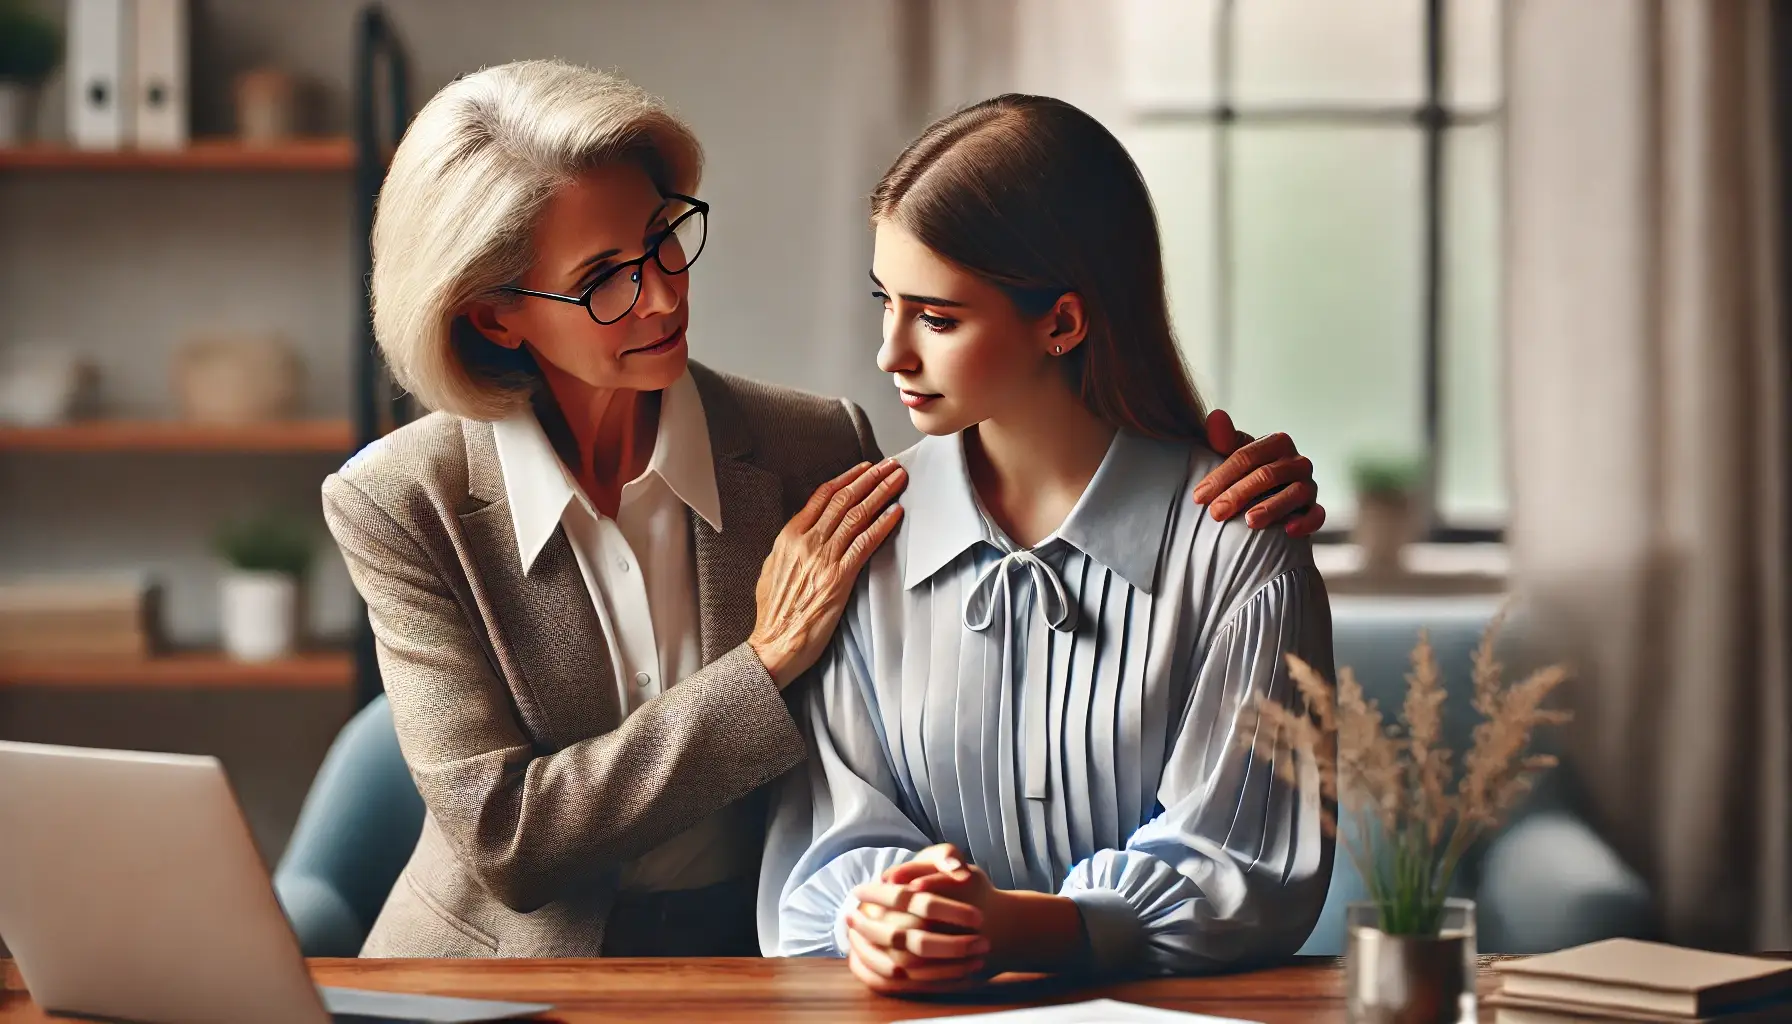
<point x="322" y="436"/>
<point x="317" y="154"/>
<point x="326" y="670"/>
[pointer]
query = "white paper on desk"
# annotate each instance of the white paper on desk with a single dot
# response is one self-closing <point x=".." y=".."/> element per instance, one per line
<point x="405" y="1006"/>
<point x="1095" y="1011"/>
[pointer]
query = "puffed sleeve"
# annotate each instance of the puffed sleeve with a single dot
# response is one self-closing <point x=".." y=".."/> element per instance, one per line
<point x="1235" y="867"/>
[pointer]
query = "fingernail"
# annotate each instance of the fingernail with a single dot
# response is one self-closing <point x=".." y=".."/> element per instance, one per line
<point x="950" y="864"/>
<point x="1222" y="510"/>
<point x="961" y="875"/>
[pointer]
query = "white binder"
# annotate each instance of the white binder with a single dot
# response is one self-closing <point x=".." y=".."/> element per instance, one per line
<point x="101" y="45"/>
<point x="160" y="83"/>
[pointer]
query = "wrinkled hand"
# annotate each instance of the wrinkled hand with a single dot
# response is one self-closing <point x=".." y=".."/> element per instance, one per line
<point x="1256" y="467"/>
<point x="810" y="573"/>
<point x="905" y="941"/>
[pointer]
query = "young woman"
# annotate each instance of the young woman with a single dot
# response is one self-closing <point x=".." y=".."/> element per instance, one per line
<point x="1029" y="741"/>
<point x="592" y="571"/>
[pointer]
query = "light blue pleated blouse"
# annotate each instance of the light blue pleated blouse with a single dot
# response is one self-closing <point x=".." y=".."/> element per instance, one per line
<point x="1068" y="716"/>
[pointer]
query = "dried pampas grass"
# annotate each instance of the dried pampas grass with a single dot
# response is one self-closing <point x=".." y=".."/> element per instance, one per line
<point x="1394" y="779"/>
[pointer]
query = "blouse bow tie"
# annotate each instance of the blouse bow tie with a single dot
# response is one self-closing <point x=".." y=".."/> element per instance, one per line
<point x="1054" y="604"/>
<point x="980" y="606"/>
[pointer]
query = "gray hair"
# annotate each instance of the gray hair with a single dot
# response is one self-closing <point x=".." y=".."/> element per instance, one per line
<point x="460" y="201"/>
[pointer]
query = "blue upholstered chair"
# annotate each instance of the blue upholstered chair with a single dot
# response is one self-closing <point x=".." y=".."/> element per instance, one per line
<point x="1546" y="880"/>
<point x="357" y="828"/>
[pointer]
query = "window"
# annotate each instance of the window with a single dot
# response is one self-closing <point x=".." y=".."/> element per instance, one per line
<point x="1326" y="173"/>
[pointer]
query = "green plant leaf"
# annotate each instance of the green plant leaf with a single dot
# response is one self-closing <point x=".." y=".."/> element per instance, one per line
<point x="30" y="44"/>
<point x="1386" y="474"/>
<point x="267" y="543"/>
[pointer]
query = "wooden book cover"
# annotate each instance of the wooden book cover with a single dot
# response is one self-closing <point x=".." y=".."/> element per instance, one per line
<point x="1646" y="977"/>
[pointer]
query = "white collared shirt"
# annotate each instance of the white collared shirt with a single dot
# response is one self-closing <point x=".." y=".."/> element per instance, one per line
<point x="641" y="576"/>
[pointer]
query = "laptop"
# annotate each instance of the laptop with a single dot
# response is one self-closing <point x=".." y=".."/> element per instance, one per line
<point x="131" y="890"/>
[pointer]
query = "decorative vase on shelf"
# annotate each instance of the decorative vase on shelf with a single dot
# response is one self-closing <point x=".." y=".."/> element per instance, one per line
<point x="236" y="379"/>
<point x="45" y="385"/>
<point x="260" y="611"/>
<point x="266" y="108"/>
<point x="1426" y="978"/>
<point x="259" y="595"/>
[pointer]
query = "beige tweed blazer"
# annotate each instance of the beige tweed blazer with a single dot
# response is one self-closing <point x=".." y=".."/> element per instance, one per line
<point x="503" y="690"/>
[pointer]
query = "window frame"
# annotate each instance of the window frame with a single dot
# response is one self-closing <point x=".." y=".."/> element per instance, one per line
<point x="1435" y="119"/>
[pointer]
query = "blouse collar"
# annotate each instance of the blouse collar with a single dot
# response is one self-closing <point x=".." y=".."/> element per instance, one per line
<point x="1118" y="521"/>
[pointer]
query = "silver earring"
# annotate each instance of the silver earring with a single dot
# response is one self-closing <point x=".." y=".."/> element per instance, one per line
<point x="1057" y="350"/>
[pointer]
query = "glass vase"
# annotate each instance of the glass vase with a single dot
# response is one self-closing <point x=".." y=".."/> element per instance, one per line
<point x="1410" y="979"/>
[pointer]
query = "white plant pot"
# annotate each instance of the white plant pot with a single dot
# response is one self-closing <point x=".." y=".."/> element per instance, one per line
<point x="1385" y="524"/>
<point x="260" y="612"/>
<point x="17" y="103"/>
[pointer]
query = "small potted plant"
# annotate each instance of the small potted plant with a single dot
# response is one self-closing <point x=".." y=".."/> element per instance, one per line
<point x="1405" y="815"/>
<point x="30" y="48"/>
<point x="259" y="598"/>
<point x="1387" y="508"/>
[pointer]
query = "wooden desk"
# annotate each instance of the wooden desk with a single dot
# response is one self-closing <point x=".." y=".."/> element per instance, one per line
<point x="816" y="991"/>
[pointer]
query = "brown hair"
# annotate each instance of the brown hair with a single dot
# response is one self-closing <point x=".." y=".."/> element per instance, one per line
<point x="1037" y="198"/>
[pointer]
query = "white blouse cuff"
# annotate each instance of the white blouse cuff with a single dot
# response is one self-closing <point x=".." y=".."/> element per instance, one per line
<point x="1115" y="934"/>
<point x="814" y="916"/>
<point x="1128" y="901"/>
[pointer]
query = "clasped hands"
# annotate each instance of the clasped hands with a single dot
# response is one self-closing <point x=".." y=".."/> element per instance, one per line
<point x="937" y="924"/>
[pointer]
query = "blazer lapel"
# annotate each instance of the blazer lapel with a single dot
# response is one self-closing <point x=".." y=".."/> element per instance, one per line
<point x="752" y="500"/>
<point x="543" y="630"/>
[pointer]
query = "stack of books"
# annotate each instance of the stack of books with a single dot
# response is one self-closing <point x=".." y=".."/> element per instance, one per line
<point x="1630" y="980"/>
<point x="77" y="617"/>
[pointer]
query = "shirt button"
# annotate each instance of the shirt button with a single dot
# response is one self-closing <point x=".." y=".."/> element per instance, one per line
<point x="642" y="679"/>
<point x="622" y="563"/>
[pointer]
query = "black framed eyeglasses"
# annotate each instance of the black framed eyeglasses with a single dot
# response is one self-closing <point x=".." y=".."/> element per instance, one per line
<point x="614" y="293"/>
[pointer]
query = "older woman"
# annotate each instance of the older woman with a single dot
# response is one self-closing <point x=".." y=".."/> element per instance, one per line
<point x="592" y="570"/>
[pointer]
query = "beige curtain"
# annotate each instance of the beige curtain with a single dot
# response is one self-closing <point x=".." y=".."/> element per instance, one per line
<point x="1646" y="396"/>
